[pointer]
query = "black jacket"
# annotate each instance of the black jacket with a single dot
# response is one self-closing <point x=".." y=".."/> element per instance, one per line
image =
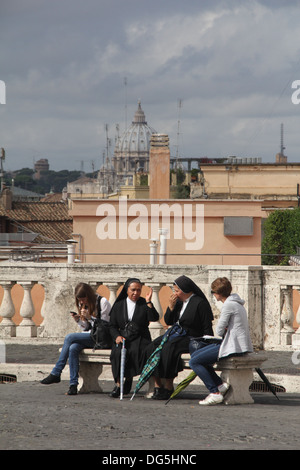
<point x="142" y="316"/>
<point x="196" y="319"/>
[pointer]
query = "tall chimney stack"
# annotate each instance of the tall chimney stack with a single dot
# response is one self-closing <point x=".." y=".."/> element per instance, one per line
<point x="159" y="167"/>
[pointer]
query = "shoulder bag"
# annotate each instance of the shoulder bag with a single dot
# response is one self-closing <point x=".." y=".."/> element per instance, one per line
<point x="131" y="331"/>
<point x="100" y="331"/>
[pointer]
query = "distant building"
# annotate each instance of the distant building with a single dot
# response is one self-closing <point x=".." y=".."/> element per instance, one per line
<point x="127" y="169"/>
<point x="277" y="185"/>
<point x="33" y="230"/>
<point x="124" y="230"/>
<point x="20" y="194"/>
<point x="131" y="154"/>
<point x="39" y="166"/>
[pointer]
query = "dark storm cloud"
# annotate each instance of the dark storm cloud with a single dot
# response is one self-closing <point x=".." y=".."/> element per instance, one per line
<point x="64" y="63"/>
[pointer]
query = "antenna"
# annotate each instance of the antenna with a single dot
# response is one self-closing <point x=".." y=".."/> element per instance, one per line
<point x="125" y="84"/>
<point x="282" y="148"/>
<point x="93" y="166"/>
<point x="108" y="144"/>
<point x="2" y="158"/>
<point x="118" y="133"/>
<point x="178" y="131"/>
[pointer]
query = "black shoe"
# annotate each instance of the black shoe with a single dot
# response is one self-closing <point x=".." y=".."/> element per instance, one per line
<point x="168" y="393"/>
<point x="72" y="390"/>
<point x="158" y="393"/>
<point x="51" y="379"/>
<point x="162" y="393"/>
<point x="115" y="393"/>
<point x="127" y="385"/>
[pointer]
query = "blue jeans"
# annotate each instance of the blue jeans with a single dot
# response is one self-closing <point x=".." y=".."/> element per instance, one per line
<point x="73" y="344"/>
<point x="201" y="362"/>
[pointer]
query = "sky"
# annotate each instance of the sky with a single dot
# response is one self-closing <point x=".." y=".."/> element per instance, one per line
<point x="216" y="76"/>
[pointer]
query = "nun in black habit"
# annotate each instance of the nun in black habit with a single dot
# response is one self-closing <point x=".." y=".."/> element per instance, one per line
<point x="189" y="308"/>
<point x="130" y="307"/>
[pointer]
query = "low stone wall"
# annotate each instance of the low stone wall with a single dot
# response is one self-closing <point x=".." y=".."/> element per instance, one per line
<point x="268" y="292"/>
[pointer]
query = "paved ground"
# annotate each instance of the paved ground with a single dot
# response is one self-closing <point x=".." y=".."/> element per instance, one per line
<point x="39" y="417"/>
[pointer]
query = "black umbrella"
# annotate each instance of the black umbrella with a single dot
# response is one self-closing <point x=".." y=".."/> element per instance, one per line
<point x="267" y="382"/>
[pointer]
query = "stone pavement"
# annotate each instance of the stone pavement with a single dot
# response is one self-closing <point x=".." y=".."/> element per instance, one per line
<point x="39" y="417"/>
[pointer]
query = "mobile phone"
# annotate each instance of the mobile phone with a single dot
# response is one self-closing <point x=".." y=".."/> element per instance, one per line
<point x="73" y="313"/>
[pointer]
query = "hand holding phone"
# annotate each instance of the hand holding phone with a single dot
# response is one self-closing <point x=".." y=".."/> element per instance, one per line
<point x="75" y="315"/>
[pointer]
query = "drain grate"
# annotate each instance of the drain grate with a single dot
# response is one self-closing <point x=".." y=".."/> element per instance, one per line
<point x="262" y="387"/>
<point x="7" y="378"/>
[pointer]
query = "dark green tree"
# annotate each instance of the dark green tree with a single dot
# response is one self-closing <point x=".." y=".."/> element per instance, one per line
<point x="49" y="180"/>
<point x="281" y="236"/>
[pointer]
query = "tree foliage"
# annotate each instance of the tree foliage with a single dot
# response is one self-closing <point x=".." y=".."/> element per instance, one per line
<point x="281" y="236"/>
<point x="49" y="180"/>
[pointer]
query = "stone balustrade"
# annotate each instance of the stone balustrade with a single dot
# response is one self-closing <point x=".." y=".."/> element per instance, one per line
<point x="268" y="291"/>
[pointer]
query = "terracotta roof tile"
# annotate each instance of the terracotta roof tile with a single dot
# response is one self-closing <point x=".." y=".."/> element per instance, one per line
<point x="50" y="220"/>
<point x="27" y="211"/>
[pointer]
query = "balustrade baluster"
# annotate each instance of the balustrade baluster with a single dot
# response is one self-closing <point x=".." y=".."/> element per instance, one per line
<point x="287" y="315"/>
<point x="7" y="311"/>
<point x="296" y="336"/>
<point x="156" y="328"/>
<point x="113" y="289"/>
<point x="40" y="328"/>
<point x="27" y="327"/>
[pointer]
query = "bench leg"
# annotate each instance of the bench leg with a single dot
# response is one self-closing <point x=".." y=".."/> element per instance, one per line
<point x="89" y="373"/>
<point x="240" y="381"/>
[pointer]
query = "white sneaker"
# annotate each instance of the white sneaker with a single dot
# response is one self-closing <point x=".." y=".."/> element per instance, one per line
<point x="223" y="388"/>
<point x="212" y="399"/>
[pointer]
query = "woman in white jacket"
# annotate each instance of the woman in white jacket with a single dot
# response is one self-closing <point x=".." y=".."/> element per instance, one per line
<point x="233" y="328"/>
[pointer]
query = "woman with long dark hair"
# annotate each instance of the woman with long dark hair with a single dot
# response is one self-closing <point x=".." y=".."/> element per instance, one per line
<point x="89" y="305"/>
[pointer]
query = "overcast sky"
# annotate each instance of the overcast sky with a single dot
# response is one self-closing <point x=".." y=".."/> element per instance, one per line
<point x="231" y="63"/>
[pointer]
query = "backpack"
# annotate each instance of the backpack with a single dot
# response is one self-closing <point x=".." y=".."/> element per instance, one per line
<point x="100" y="330"/>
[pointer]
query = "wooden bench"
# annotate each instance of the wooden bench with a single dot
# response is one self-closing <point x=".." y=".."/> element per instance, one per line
<point x="237" y="371"/>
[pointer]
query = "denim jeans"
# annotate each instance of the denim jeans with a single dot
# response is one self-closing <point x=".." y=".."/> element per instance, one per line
<point x="73" y="344"/>
<point x="202" y="362"/>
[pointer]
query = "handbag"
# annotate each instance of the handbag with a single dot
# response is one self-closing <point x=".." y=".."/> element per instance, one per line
<point x="131" y="331"/>
<point x="202" y="341"/>
<point x="99" y="332"/>
<point x="175" y="331"/>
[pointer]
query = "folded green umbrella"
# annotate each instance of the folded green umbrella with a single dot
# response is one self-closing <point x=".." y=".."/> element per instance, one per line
<point x="182" y="385"/>
<point x="153" y="361"/>
<point x="149" y="367"/>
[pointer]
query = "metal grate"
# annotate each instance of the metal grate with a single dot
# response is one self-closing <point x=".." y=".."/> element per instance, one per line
<point x="7" y="378"/>
<point x="262" y="387"/>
